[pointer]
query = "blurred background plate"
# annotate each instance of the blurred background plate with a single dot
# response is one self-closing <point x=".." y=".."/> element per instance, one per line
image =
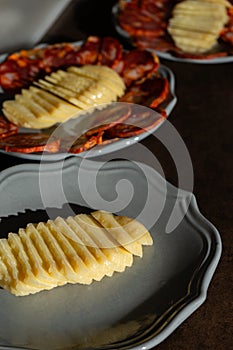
<point x="168" y="55"/>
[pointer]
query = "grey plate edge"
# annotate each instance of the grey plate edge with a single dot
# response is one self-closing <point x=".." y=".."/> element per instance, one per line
<point x="167" y="55"/>
<point x="192" y="306"/>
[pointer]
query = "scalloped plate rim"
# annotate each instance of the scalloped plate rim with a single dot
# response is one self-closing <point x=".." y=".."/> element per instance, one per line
<point x="200" y="221"/>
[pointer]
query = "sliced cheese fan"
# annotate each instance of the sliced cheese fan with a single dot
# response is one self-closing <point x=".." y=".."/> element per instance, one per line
<point x="63" y="95"/>
<point x="195" y="25"/>
<point x="79" y="249"/>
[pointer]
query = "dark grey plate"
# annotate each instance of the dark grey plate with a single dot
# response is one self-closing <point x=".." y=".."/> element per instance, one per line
<point x="136" y="309"/>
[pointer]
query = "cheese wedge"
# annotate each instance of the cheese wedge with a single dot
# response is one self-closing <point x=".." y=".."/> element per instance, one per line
<point x="79" y="249"/>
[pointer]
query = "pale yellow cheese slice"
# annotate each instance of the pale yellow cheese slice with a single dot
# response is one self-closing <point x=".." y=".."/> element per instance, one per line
<point x="135" y="229"/>
<point x="86" y="239"/>
<point x="119" y="257"/>
<point x="59" y="256"/>
<point x="83" y="259"/>
<point x="49" y="264"/>
<point x="15" y="282"/>
<point x="108" y="221"/>
<point x="18" y="250"/>
<point x="36" y="262"/>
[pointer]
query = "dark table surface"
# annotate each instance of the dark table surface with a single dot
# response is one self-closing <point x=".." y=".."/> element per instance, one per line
<point x="203" y="117"/>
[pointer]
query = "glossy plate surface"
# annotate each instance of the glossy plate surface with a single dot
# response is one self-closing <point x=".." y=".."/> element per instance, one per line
<point x="168" y="55"/>
<point x="136" y="309"/>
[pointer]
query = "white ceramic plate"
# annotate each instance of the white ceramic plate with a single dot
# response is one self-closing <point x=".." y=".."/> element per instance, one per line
<point x="133" y="310"/>
<point x="168" y="105"/>
<point x="167" y="55"/>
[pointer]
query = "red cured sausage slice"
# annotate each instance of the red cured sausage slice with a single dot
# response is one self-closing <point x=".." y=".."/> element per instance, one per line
<point x="21" y="68"/>
<point x="138" y="23"/>
<point x="7" y="128"/>
<point x="156" y="4"/>
<point x="105" y="119"/>
<point x="140" y="121"/>
<point x="227" y="33"/>
<point x="144" y="18"/>
<point x="9" y="75"/>
<point x="108" y="141"/>
<point x="89" y="51"/>
<point x="84" y="143"/>
<point x="129" y="4"/>
<point x="16" y="74"/>
<point x="159" y="89"/>
<point x="138" y="64"/>
<point x="30" y="143"/>
<point x="151" y="93"/>
<point x="160" y="43"/>
<point x="110" y="52"/>
<point x="57" y="56"/>
<point x="142" y="31"/>
<point x="180" y="54"/>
